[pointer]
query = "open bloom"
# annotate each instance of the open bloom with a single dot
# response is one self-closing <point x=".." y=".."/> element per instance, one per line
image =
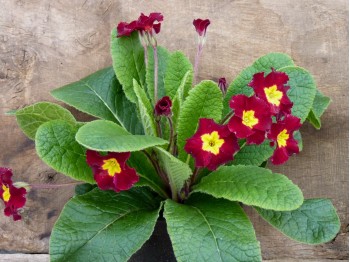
<point x="13" y="197"/>
<point x="144" y="23"/>
<point x="111" y="171"/>
<point x="212" y="145"/>
<point x="282" y="134"/>
<point x="251" y="120"/>
<point x="125" y="29"/>
<point x="273" y="90"/>
<point x="150" y="23"/>
<point x="163" y="107"/>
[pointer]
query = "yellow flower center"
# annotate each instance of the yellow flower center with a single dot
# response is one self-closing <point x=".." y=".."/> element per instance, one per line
<point x="112" y="166"/>
<point x="249" y="119"/>
<point x="212" y="142"/>
<point x="6" y="194"/>
<point x="282" y="138"/>
<point x="273" y="95"/>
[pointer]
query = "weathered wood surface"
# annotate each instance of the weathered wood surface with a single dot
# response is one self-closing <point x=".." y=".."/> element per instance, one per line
<point x="46" y="44"/>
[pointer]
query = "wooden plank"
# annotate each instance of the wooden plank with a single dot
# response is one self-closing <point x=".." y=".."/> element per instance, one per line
<point x="46" y="44"/>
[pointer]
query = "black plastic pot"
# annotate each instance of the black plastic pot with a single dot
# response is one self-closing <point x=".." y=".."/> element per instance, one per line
<point x="158" y="248"/>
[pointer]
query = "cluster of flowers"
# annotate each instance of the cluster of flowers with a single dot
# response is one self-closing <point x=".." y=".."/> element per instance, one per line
<point x="13" y="197"/>
<point x="266" y="114"/>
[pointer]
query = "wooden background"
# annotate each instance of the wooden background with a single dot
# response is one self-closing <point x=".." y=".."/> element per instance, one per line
<point x="45" y="44"/>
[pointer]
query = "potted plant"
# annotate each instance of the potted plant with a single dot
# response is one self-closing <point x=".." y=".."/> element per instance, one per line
<point x="164" y="145"/>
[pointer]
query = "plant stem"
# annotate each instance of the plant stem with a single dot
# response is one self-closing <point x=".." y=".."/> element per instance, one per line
<point x="157" y="168"/>
<point x="48" y="186"/>
<point x="196" y="63"/>
<point x="171" y="138"/>
<point x="155" y="55"/>
<point x="194" y="176"/>
<point x="226" y="118"/>
<point x="146" y="55"/>
<point x="159" y="129"/>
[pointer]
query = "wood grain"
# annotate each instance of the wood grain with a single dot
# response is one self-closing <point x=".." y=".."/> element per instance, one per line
<point x="46" y="44"/>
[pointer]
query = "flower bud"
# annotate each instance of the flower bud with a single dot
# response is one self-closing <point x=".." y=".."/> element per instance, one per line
<point x="163" y="107"/>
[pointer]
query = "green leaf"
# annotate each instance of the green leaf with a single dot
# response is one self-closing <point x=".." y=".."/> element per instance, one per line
<point x="315" y="222"/>
<point x="302" y="90"/>
<point x="209" y="229"/>
<point x="128" y="62"/>
<point x="55" y="144"/>
<point x="82" y="189"/>
<point x="163" y="57"/>
<point x="31" y="117"/>
<point x="146" y="110"/>
<point x="264" y="64"/>
<point x="203" y="101"/>
<point x="178" y="66"/>
<point x="104" y="226"/>
<point x="103" y="135"/>
<point x="148" y="176"/>
<point x="101" y="95"/>
<point x="180" y="97"/>
<point x="252" y="185"/>
<point x="177" y="171"/>
<point x="320" y="104"/>
<point x="253" y="155"/>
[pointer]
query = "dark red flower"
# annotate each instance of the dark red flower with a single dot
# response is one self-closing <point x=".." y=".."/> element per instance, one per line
<point x="282" y="134"/>
<point x="251" y="120"/>
<point x="273" y="90"/>
<point x="144" y="23"/>
<point x="125" y="29"/>
<point x="13" y="197"/>
<point x="110" y="171"/>
<point x="150" y="23"/>
<point x="223" y="85"/>
<point x="163" y="107"/>
<point x="212" y="145"/>
<point x="201" y="26"/>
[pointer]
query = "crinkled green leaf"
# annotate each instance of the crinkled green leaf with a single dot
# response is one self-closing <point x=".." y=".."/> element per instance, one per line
<point x="320" y="104"/>
<point x="104" y="225"/>
<point x="103" y="135"/>
<point x="31" y="117"/>
<point x="209" y="229"/>
<point x="253" y="155"/>
<point x="163" y="57"/>
<point x="315" y="222"/>
<point x="302" y="90"/>
<point x="147" y="174"/>
<point x="180" y="97"/>
<point x="203" y="101"/>
<point x="146" y="110"/>
<point x="128" y="62"/>
<point x="102" y="96"/>
<point x="177" y="171"/>
<point x="178" y="66"/>
<point x="56" y="146"/>
<point x="263" y="64"/>
<point x="252" y="185"/>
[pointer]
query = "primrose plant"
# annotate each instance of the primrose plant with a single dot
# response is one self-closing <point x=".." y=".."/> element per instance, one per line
<point x="165" y="146"/>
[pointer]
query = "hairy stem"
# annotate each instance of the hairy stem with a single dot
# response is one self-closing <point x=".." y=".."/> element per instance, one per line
<point x="171" y="138"/>
<point x="146" y="55"/>
<point x="196" y="63"/>
<point x="155" y="55"/>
